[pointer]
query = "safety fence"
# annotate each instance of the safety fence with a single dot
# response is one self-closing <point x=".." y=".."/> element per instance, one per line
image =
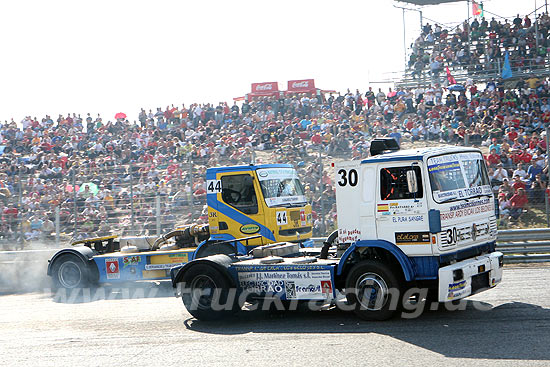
<point x="147" y="198"/>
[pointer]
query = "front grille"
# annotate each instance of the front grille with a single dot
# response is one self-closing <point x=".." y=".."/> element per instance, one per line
<point x="292" y="232"/>
<point x="493" y="226"/>
<point x="480" y="282"/>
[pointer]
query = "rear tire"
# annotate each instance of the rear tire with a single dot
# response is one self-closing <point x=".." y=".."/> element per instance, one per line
<point x="374" y="290"/>
<point x="207" y="294"/>
<point x="70" y="272"/>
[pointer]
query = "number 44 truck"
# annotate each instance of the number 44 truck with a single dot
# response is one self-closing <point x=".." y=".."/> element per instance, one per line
<point x="422" y="219"/>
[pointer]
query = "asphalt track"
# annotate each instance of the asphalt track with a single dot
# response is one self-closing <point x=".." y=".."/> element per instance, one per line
<point x="147" y="326"/>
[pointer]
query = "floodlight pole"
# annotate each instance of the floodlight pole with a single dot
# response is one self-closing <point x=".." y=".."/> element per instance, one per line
<point x="404" y="40"/>
<point x="404" y="33"/>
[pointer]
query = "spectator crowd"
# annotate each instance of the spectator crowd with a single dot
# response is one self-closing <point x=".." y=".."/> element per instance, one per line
<point x="95" y="170"/>
<point x="479" y="46"/>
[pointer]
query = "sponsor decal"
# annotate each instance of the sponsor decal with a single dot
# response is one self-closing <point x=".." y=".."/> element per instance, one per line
<point x="457" y="157"/>
<point x="466" y="209"/>
<point x="303" y="84"/>
<point x="313" y="284"/>
<point x="264" y="87"/>
<point x="112" y="269"/>
<point x="399" y="208"/>
<point x="130" y="260"/>
<point x="410" y="218"/>
<point x="286" y="200"/>
<point x="161" y="266"/>
<point x="326" y="286"/>
<point x="382" y="208"/>
<point x="302" y="217"/>
<point x="290" y="289"/>
<point x="456" y="289"/>
<point x="250" y="228"/>
<point x="167" y="261"/>
<point x="348" y="235"/>
<point x="443" y="167"/>
<point x="277" y="173"/>
<point x="463" y="193"/>
<point x="412" y="238"/>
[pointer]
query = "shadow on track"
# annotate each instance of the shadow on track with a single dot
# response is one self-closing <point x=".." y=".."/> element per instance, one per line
<point x="510" y="331"/>
<point x="135" y="290"/>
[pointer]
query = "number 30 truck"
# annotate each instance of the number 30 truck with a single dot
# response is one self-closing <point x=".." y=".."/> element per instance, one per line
<point x="422" y="218"/>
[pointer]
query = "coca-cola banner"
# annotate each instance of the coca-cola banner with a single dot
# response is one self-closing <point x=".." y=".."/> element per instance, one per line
<point x="305" y="85"/>
<point x="267" y="87"/>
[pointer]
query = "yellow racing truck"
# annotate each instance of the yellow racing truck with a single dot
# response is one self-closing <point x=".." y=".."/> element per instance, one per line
<point x="248" y="206"/>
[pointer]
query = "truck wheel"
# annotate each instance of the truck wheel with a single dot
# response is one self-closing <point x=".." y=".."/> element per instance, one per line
<point x="70" y="272"/>
<point x="212" y="248"/>
<point x="207" y="294"/>
<point x="371" y="287"/>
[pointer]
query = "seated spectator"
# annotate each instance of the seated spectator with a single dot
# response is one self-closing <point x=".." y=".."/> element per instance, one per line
<point x="518" y="203"/>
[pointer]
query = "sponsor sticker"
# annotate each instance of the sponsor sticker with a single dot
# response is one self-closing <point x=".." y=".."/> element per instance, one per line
<point x="412" y="238"/>
<point x="112" y="269"/>
<point x="380" y="208"/>
<point x="292" y="284"/>
<point x="130" y="260"/>
<point x="161" y="266"/>
<point x="456" y="289"/>
<point x="250" y="228"/>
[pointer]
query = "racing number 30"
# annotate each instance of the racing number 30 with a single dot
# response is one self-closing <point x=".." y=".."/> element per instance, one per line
<point x="348" y="177"/>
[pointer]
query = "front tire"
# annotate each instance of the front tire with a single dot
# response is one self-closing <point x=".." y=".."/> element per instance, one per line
<point x="374" y="290"/>
<point x="207" y="294"/>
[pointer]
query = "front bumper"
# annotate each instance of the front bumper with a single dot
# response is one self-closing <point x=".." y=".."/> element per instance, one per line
<point x="470" y="276"/>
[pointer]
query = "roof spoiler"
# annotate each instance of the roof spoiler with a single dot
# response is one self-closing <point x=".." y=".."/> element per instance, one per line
<point x="383" y="145"/>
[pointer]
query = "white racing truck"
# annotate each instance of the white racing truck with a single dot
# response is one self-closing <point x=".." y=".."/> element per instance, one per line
<point x="417" y="219"/>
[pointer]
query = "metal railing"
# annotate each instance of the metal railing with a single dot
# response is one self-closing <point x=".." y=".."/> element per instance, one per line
<point x="517" y="245"/>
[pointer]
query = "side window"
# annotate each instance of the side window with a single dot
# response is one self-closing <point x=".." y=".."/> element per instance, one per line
<point x="238" y="191"/>
<point x="393" y="183"/>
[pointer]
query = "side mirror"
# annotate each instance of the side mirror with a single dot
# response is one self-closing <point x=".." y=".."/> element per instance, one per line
<point x="411" y="182"/>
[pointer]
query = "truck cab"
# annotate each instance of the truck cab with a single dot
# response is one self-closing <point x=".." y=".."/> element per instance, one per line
<point x="412" y="225"/>
<point x="434" y="205"/>
<point x="263" y="200"/>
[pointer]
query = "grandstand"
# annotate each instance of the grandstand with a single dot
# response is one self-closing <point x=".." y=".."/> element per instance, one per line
<point x="481" y="45"/>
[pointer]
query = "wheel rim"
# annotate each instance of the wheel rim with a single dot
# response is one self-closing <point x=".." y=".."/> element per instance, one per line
<point x="203" y="290"/>
<point x="69" y="274"/>
<point x="372" y="291"/>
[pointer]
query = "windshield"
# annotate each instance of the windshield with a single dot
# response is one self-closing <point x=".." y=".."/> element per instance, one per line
<point x="458" y="176"/>
<point x="280" y="186"/>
